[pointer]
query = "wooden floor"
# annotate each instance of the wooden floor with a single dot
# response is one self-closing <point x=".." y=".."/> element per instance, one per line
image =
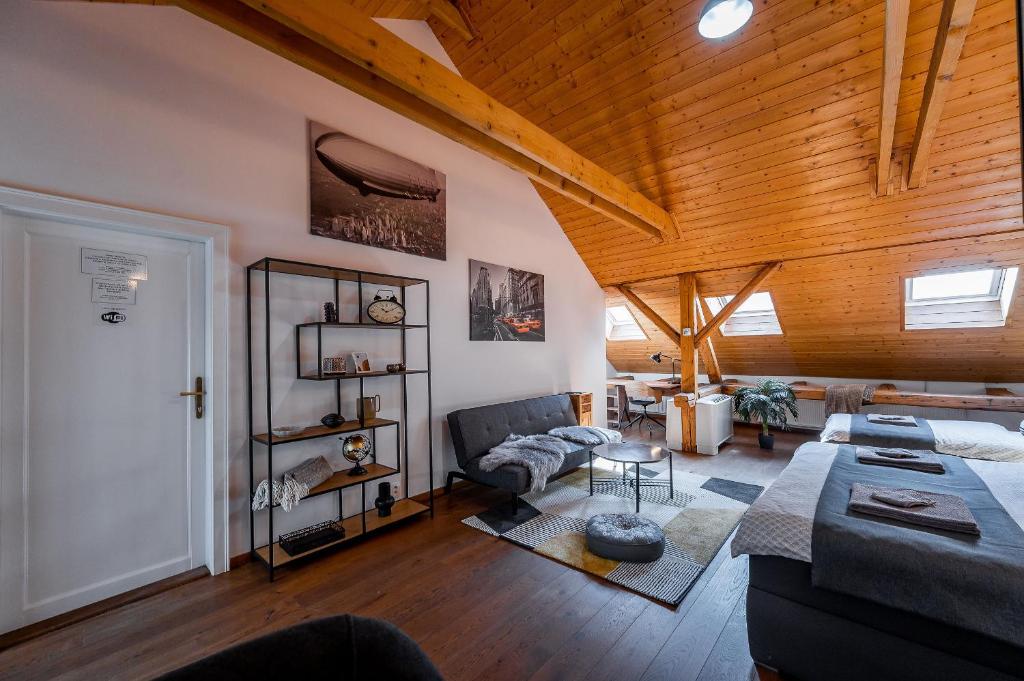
<point x="480" y="607"/>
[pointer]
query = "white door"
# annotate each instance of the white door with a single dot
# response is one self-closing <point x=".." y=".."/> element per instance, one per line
<point x="102" y="463"/>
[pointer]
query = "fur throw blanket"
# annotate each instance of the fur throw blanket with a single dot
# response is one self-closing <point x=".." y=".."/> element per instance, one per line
<point x="586" y="435"/>
<point x="541" y="455"/>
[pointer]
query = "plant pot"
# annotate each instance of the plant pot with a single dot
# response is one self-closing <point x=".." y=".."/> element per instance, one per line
<point x="766" y="440"/>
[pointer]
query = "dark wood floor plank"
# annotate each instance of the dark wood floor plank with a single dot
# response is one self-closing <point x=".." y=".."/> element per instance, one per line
<point x="481" y="607"/>
<point x="688" y="648"/>
<point x="730" y="658"/>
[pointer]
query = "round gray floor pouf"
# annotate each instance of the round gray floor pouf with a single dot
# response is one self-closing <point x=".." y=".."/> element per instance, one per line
<point x="625" y="536"/>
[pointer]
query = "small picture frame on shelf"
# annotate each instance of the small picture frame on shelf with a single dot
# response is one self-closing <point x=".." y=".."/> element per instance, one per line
<point x="335" y="365"/>
<point x="360" y="362"/>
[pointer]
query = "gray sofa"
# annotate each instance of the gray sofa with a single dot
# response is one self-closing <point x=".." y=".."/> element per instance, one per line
<point x="474" y="431"/>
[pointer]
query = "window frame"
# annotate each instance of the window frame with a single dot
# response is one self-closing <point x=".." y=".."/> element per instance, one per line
<point x="994" y="293"/>
<point x="611" y="324"/>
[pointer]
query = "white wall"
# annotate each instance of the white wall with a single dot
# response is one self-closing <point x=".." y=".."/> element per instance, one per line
<point x="152" y="108"/>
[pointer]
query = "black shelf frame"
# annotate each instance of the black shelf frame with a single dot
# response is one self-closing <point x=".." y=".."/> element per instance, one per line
<point x="269" y="266"/>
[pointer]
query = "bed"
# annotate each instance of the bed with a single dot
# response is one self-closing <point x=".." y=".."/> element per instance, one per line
<point x="967" y="439"/>
<point x="808" y="632"/>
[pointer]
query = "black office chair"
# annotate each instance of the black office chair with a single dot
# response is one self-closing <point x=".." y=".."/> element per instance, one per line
<point x="643" y="403"/>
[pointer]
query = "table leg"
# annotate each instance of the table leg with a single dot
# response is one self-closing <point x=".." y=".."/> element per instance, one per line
<point x="591" y="473"/>
<point x="671" y="487"/>
<point x="638" y="487"/>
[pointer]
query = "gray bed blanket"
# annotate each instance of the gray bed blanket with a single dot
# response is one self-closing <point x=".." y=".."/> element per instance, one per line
<point x="542" y="455"/>
<point x="863" y="432"/>
<point x="966" y="581"/>
<point x="586" y="435"/>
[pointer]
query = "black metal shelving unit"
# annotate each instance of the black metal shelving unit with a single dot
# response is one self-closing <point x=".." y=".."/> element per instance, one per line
<point x="361" y="524"/>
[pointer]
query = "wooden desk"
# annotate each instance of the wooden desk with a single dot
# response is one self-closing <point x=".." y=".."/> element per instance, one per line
<point x="657" y="389"/>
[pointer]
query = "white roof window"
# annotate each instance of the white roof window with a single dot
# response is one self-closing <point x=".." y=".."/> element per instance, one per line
<point x="755" y="317"/>
<point x="620" y="324"/>
<point x="965" y="299"/>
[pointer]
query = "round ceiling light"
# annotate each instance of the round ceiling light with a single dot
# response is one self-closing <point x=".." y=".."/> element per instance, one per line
<point x="720" y="18"/>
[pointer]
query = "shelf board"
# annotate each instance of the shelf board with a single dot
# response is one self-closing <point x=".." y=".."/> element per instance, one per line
<point x="342" y="480"/>
<point x="403" y="509"/>
<point x="306" y="269"/>
<point x="361" y="325"/>
<point x="323" y="431"/>
<point x="370" y="374"/>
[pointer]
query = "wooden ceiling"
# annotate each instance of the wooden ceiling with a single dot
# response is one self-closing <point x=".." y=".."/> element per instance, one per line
<point x="762" y="147"/>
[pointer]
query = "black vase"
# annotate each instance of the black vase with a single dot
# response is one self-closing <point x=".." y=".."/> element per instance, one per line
<point x="384" y="500"/>
<point x="766" y="440"/>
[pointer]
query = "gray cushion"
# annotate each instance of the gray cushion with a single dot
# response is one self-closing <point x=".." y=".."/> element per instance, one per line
<point x="516" y="478"/>
<point x="625" y="536"/>
<point x="474" y="431"/>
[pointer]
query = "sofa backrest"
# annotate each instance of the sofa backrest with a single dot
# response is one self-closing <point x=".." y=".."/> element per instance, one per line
<point x="477" y="429"/>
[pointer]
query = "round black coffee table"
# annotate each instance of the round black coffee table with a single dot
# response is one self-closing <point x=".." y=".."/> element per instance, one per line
<point x="634" y="453"/>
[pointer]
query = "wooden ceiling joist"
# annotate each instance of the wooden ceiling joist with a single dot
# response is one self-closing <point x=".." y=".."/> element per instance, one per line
<point x="949" y="41"/>
<point x="897" y="13"/>
<point x="740" y="298"/>
<point x="706" y="348"/>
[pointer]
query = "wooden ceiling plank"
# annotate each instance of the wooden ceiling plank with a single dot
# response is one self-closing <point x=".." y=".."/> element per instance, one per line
<point x="347" y="32"/>
<point x="949" y="41"/>
<point x="897" y="13"/>
<point x="740" y="298"/>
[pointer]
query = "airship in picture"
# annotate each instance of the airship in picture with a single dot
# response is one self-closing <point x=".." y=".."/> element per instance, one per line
<point x="372" y="170"/>
<point x="364" y="194"/>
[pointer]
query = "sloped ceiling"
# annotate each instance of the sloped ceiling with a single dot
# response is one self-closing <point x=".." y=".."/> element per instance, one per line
<point x="760" y="145"/>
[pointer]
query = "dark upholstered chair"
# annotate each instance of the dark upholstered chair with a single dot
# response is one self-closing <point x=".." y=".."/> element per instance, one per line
<point x="341" y="648"/>
<point x="474" y="431"/>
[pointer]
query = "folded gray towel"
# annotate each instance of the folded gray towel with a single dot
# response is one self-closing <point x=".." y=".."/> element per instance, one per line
<point x="892" y="420"/>
<point x="949" y="512"/>
<point x="914" y="460"/>
<point x="904" y="498"/>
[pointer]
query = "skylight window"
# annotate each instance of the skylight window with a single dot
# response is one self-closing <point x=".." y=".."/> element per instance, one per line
<point x="620" y="324"/>
<point x="755" y="317"/>
<point x="950" y="300"/>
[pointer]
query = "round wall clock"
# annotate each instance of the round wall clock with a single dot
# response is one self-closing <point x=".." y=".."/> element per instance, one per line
<point x="385" y="308"/>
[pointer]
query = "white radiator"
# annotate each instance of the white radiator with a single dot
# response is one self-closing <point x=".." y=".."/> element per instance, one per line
<point x="714" y="422"/>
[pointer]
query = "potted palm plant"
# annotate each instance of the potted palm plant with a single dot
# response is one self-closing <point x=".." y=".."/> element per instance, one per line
<point x="770" y="402"/>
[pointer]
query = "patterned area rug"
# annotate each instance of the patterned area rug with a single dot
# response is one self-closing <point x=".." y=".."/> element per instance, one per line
<point x="696" y="522"/>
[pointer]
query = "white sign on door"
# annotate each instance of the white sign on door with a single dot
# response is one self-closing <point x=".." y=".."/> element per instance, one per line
<point x="114" y="264"/>
<point x="113" y="290"/>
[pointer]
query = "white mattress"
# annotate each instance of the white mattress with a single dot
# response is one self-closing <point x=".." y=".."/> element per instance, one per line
<point x="967" y="439"/>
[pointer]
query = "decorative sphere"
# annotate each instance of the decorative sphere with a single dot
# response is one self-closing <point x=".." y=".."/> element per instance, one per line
<point x="356" y="448"/>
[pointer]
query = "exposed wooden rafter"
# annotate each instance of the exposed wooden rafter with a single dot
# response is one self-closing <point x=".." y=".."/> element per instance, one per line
<point x="450" y="15"/>
<point x="706" y="348"/>
<point x="341" y="43"/>
<point x="688" y="332"/>
<point x="949" y="41"/>
<point x="740" y="298"/>
<point x="650" y="314"/>
<point x="897" y="13"/>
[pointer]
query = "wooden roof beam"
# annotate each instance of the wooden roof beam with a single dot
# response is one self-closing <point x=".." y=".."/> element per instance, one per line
<point x="705" y="348"/>
<point x="450" y="15"/>
<point x="740" y="298"/>
<point x="897" y="13"/>
<point x="949" y="41"/>
<point x="652" y="316"/>
<point x="348" y="33"/>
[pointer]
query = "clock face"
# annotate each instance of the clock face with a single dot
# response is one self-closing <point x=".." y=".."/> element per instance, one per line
<point x="386" y="311"/>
